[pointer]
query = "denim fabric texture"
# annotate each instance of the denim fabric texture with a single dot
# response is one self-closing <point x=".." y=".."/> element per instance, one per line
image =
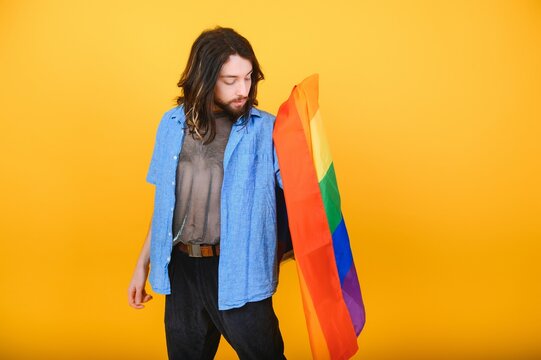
<point x="247" y="269"/>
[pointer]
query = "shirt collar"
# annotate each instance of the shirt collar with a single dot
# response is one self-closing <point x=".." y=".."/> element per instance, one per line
<point x="181" y="117"/>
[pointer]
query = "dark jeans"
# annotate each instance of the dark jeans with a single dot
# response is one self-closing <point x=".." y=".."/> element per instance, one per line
<point x="193" y="323"/>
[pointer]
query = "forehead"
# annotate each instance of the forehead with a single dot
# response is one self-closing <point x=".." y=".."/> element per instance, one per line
<point x="236" y="66"/>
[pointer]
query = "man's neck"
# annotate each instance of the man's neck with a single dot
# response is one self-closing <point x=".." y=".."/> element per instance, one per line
<point x="220" y="113"/>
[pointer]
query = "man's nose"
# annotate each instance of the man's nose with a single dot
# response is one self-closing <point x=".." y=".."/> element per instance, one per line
<point x="242" y="89"/>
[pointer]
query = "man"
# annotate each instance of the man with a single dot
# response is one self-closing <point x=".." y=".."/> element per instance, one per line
<point x="211" y="246"/>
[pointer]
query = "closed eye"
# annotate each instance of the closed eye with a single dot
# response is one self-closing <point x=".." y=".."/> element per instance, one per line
<point x="231" y="83"/>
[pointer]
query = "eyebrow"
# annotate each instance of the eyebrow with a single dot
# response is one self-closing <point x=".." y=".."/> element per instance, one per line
<point x="233" y="76"/>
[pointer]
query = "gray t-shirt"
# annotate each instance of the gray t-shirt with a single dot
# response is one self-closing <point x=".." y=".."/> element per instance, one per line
<point x="196" y="218"/>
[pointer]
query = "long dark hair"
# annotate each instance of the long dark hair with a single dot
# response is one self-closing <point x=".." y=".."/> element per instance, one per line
<point x="209" y="52"/>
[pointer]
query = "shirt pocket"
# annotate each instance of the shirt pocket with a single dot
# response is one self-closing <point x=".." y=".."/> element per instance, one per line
<point x="253" y="170"/>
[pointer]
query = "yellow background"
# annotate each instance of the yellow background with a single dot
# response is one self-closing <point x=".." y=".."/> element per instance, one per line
<point x="432" y="111"/>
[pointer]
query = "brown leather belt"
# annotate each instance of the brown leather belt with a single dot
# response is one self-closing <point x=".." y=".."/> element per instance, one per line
<point x="196" y="250"/>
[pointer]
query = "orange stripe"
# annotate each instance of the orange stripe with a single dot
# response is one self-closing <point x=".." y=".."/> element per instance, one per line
<point x="318" y="343"/>
<point x="308" y="90"/>
<point x="306" y="103"/>
<point x="300" y="105"/>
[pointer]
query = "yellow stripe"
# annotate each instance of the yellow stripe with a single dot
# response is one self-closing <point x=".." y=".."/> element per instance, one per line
<point x="318" y="344"/>
<point x="320" y="148"/>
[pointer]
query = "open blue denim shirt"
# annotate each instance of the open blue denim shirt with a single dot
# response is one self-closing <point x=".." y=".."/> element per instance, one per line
<point x="247" y="268"/>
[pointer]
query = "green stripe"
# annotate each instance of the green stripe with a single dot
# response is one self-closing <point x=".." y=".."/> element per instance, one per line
<point x="331" y="198"/>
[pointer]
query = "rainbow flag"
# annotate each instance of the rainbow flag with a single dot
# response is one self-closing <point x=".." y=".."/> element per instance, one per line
<point x="331" y="294"/>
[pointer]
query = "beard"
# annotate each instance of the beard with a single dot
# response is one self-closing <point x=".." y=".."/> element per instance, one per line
<point x="229" y="109"/>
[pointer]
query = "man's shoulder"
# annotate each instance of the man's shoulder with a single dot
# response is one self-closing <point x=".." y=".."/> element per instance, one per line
<point x="170" y="116"/>
<point x="267" y="116"/>
<point x="176" y="110"/>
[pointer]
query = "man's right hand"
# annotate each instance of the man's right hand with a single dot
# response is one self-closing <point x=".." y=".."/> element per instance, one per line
<point x="136" y="291"/>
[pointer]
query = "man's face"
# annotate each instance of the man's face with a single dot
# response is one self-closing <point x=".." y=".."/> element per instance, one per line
<point x="233" y="85"/>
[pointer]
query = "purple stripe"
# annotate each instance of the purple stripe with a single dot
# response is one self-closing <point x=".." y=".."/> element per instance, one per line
<point x="351" y="292"/>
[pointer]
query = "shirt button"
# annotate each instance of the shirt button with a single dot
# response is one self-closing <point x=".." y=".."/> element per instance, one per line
<point x="175" y="157"/>
<point x="168" y="258"/>
<point x="172" y="182"/>
<point x="172" y="209"/>
<point x="170" y="233"/>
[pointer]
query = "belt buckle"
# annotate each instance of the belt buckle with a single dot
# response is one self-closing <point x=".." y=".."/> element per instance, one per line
<point x="195" y="250"/>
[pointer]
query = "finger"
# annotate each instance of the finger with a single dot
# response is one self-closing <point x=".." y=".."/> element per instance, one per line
<point x="131" y="295"/>
<point x="147" y="297"/>
<point x="138" y="296"/>
<point x="131" y="298"/>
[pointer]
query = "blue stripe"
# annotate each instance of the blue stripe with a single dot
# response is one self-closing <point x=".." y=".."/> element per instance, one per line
<point x="342" y="250"/>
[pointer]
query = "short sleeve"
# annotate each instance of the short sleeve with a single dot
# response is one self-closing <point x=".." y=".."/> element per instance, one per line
<point x="156" y="153"/>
